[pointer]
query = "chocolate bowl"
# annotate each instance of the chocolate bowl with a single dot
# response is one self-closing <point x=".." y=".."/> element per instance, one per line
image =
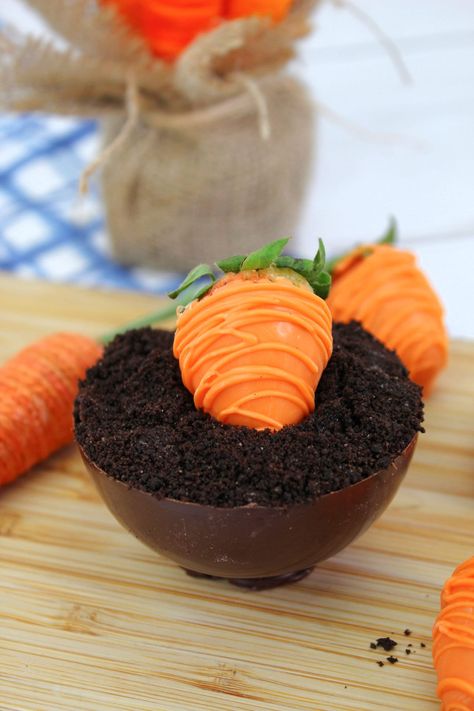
<point x="253" y="546"/>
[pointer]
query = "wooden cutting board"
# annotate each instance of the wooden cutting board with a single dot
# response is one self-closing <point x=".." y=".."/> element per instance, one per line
<point x="91" y="620"/>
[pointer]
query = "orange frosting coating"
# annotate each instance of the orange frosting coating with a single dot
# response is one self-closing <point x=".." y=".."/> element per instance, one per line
<point x="253" y="350"/>
<point x="453" y="641"/>
<point x="391" y="297"/>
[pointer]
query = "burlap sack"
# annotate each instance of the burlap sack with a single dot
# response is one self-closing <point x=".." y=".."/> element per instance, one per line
<point x="202" y="158"/>
<point x="212" y="186"/>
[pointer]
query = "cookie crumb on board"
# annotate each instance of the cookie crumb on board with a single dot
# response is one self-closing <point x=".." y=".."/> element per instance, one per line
<point x="385" y="643"/>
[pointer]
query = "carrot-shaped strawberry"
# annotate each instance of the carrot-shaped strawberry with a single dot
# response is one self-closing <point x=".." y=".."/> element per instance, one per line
<point x="253" y="347"/>
<point x="37" y="391"/>
<point x="453" y="640"/>
<point x="383" y="288"/>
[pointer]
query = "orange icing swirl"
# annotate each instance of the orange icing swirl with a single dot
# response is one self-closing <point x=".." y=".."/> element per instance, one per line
<point x="252" y="351"/>
<point x="453" y="640"/>
<point x="391" y="297"/>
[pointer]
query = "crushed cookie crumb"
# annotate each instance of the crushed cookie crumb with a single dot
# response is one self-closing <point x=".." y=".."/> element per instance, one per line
<point x="386" y="643"/>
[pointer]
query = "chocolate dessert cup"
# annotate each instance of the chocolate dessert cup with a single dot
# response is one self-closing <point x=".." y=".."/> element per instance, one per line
<point x="258" y="508"/>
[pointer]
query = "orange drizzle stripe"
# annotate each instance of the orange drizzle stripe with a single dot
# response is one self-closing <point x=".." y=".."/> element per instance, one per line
<point x="241" y="375"/>
<point x="232" y="352"/>
<point x="265" y="421"/>
<point x="264" y="393"/>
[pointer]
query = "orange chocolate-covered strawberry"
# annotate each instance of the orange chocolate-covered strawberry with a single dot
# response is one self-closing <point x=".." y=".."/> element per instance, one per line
<point x="252" y="349"/>
<point x="453" y="640"/>
<point x="383" y="288"/>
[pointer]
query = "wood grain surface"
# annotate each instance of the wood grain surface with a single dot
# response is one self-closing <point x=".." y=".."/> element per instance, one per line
<point x="90" y="620"/>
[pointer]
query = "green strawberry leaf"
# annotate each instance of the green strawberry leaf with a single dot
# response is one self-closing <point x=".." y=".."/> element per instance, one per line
<point x="311" y="270"/>
<point x="391" y="235"/>
<point x="231" y="264"/>
<point x="320" y="258"/>
<point x="199" y="293"/>
<point x="202" y="270"/>
<point x="302" y="266"/>
<point x="264" y="257"/>
<point x="320" y="283"/>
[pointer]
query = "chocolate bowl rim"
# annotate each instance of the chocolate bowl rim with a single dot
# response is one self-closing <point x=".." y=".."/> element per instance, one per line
<point x="251" y="506"/>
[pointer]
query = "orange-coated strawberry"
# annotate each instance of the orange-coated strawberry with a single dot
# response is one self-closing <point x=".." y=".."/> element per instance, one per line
<point x="453" y="640"/>
<point x="253" y="348"/>
<point x="383" y="288"/>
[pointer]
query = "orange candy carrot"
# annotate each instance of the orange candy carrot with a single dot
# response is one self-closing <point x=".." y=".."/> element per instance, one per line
<point x="384" y="289"/>
<point x="253" y="349"/>
<point x="453" y="640"/>
<point x="37" y="391"/>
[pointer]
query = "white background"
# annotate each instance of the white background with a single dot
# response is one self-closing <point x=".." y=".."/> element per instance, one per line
<point x="416" y="158"/>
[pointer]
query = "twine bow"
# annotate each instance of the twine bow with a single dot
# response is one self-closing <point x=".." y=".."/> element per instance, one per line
<point x="187" y="119"/>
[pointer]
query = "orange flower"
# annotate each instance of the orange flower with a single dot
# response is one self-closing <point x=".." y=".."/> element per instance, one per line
<point x="453" y="640"/>
<point x="384" y="289"/>
<point x="253" y="349"/>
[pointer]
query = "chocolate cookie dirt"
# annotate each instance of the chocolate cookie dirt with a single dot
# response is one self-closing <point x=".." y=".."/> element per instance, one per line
<point x="136" y="420"/>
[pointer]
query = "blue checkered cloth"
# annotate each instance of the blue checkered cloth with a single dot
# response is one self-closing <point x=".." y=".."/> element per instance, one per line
<point x="46" y="229"/>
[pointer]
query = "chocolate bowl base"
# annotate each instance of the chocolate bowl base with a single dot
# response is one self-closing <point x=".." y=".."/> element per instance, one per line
<point x="254" y="546"/>
<point x="257" y="584"/>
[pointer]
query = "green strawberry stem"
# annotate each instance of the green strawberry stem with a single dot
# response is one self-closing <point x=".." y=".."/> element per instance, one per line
<point x="389" y="237"/>
<point x="313" y="270"/>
